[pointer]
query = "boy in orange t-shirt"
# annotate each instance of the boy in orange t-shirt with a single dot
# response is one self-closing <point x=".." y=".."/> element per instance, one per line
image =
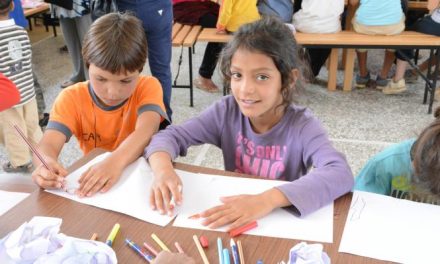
<point x="117" y="110"/>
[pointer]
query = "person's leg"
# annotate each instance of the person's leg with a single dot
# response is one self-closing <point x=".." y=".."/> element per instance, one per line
<point x="82" y="26"/>
<point x="30" y="116"/>
<point x="387" y="63"/>
<point x="70" y="33"/>
<point x="18" y="153"/>
<point x="317" y="59"/>
<point x="158" y="28"/>
<point x="210" y="57"/>
<point x="397" y="85"/>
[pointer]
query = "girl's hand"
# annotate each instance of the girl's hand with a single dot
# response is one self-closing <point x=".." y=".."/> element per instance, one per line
<point x="166" y="186"/>
<point x="99" y="178"/>
<point x="46" y="179"/>
<point x="237" y="211"/>
<point x="221" y="29"/>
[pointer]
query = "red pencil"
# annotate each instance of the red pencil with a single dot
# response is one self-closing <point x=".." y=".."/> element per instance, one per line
<point x="239" y="230"/>
<point x="33" y="149"/>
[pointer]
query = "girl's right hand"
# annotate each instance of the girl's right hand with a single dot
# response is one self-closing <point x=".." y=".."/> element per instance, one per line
<point x="48" y="180"/>
<point x="166" y="187"/>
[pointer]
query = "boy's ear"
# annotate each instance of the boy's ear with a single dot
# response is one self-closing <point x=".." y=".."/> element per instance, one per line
<point x="12" y="6"/>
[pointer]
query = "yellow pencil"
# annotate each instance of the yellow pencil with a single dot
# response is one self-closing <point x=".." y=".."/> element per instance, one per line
<point x="201" y="251"/>
<point x="159" y="242"/>
<point x="240" y="252"/>
<point x="112" y="235"/>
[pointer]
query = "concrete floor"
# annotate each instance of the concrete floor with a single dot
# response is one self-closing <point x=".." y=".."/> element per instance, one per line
<point x="360" y="123"/>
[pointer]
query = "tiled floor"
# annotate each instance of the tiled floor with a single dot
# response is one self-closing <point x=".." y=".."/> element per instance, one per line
<point x="360" y="123"/>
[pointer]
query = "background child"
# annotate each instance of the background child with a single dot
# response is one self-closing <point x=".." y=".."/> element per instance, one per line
<point x="117" y="110"/>
<point x="429" y="24"/>
<point x="377" y="17"/>
<point x="407" y="170"/>
<point x="16" y="65"/>
<point x="317" y="16"/>
<point x="234" y="13"/>
<point x="9" y="95"/>
<point x="259" y="131"/>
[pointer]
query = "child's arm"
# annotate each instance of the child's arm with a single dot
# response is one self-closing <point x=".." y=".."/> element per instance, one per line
<point x="9" y="95"/>
<point x="105" y="174"/>
<point x="353" y="2"/>
<point x="174" y="141"/>
<point x="330" y="178"/>
<point x="224" y="15"/>
<point x="50" y="147"/>
<point x="165" y="185"/>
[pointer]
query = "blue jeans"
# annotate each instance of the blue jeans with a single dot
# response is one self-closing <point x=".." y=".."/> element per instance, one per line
<point x="157" y="20"/>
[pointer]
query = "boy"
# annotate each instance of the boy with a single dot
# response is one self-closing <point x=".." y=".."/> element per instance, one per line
<point x="16" y="65"/>
<point x="117" y="110"/>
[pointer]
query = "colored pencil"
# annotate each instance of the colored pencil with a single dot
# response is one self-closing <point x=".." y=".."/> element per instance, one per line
<point x="201" y="251"/>
<point x="159" y="242"/>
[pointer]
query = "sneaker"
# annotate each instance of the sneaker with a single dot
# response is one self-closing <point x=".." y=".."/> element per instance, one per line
<point x="410" y="76"/>
<point x="8" y="167"/>
<point x="361" y="82"/>
<point x="395" y="87"/>
<point x="44" y="120"/>
<point x="381" y="83"/>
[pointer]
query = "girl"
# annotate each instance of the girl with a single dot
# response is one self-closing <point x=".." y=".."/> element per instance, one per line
<point x="259" y="131"/>
<point x="408" y="170"/>
<point x="377" y="17"/>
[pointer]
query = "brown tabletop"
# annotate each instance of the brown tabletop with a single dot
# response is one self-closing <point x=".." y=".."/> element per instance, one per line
<point x="82" y="221"/>
<point x="43" y="8"/>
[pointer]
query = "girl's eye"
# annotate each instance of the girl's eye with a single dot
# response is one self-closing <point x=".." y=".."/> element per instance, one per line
<point x="101" y="80"/>
<point x="126" y="81"/>
<point x="262" y="77"/>
<point x="236" y="75"/>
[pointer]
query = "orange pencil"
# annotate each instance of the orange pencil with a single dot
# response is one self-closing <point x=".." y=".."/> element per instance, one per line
<point x="239" y="230"/>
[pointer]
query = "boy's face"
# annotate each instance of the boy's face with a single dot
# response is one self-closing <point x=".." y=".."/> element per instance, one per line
<point x="112" y="89"/>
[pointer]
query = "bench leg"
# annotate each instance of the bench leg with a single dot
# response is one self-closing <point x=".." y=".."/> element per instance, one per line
<point x="434" y="80"/>
<point x="191" y="96"/>
<point x="333" y="70"/>
<point x="349" y="69"/>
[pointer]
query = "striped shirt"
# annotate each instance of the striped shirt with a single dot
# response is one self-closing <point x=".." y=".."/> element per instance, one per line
<point x="16" y="59"/>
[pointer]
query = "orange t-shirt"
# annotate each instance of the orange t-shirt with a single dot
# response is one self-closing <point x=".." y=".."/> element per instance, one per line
<point x="77" y="111"/>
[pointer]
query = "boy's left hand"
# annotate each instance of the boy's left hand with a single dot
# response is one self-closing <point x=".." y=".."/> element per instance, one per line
<point x="237" y="210"/>
<point x="99" y="178"/>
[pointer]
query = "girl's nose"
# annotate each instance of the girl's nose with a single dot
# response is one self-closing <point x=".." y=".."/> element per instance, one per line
<point x="247" y="86"/>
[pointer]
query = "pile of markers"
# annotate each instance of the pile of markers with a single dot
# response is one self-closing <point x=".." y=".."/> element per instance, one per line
<point x="223" y="253"/>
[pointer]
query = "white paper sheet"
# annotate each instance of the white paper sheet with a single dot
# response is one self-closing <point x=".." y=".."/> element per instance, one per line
<point x="202" y="191"/>
<point x="387" y="228"/>
<point x="130" y="195"/>
<point x="10" y="199"/>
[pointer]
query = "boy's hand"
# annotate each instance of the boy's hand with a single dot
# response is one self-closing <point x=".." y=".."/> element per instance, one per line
<point x="237" y="210"/>
<point x="46" y="179"/>
<point x="99" y="178"/>
<point x="166" y="186"/>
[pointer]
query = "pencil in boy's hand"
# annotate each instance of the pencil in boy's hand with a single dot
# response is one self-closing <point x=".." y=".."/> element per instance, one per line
<point x="33" y="149"/>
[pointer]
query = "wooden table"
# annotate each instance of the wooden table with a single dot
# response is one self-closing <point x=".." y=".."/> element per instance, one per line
<point x="82" y="221"/>
<point x="41" y="9"/>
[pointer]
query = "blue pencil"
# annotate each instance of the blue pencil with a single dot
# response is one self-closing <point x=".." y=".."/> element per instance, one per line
<point x="220" y="250"/>
<point x="234" y="253"/>
<point x="226" y="259"/>
<point x="138" y="250"/>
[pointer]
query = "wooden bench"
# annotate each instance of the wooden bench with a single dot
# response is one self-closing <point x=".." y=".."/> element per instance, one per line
<point x="185" y="36"/>
<point x="352" y="40"/>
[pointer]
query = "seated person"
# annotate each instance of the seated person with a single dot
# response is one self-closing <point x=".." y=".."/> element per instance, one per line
<point x="117" y="110"/>
<point x="407" y="170"/>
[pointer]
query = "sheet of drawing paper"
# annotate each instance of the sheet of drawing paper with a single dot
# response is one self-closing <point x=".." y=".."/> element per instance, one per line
<point x="130" y="195"/>
<point x="387" y="228"/>
<point x="10" y="199"/>
<point x="203" y="191"/>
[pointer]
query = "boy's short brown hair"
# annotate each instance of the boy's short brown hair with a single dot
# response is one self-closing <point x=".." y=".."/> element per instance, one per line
<point x="4" y="7"/>
<point x="116" y="43"/>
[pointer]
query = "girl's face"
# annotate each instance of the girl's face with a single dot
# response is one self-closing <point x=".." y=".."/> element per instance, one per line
<point x="256" y="86"/>
<point x="112" y="89"/>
